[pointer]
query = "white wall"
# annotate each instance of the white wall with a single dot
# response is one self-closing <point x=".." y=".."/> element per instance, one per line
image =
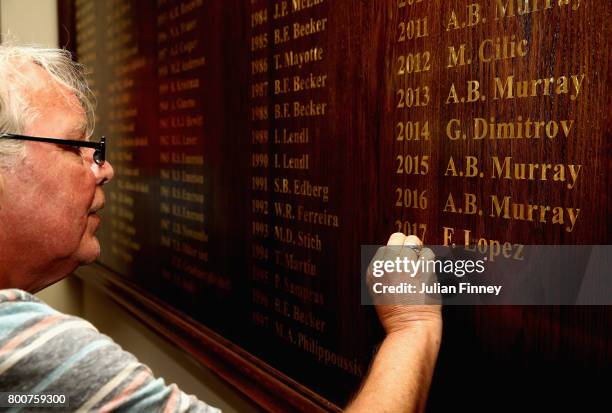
<point x="35" y="22"/>
<point x="29" y="21"/>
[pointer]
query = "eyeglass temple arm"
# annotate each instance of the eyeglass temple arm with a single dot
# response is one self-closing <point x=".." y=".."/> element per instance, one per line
<point x="85" y="144"/>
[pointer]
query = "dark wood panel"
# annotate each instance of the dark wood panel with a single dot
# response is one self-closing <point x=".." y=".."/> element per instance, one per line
<point x="270" y="388"/>
<point x="259" y="144"/>
<point x="67" y="28"/>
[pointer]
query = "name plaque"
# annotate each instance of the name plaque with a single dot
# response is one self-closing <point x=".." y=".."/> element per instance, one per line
<point x="259" y="144"/>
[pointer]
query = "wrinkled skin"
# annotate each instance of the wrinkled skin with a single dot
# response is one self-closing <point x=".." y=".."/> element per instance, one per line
<point x="49" y="200"/>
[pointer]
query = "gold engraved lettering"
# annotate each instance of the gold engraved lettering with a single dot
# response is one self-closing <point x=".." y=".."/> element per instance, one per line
<point x="121" y="99"/>
<point x="119" y="226"/>
<point x="517" y="129"/>
<point x="260" y="320"/>
<point x="184" y="85"/>
<point x="187" y="65"/>
<point x="283" y="234"/>
<point x="310" y="241"/>
<point x="260" y="136"/>
<point x="122" y="156"/>
<point x="299" y="5"/>
<point x="329" y="357"/>
<point x="176" y="278"/>
<point x="183" y="121"/>
<point x="311" y="81"/>
<point x="188" y="26"/>
<point x="319" y="218"/>
<point x="125" y="242"/>
<point x="178" y="140"/>
<point x="289" y="261"/>
<point x="195" y="271"/>
<point x="457" y="58"/>
<point x="299" y="109"/>
<point x="473" y="93"/>
<point x="127" y="215"/>
<point x="309" y="109"/>
<point x="491" y="248"/>
<point x="192" y="178"/>
<point x="185" y="47"/>
<point x="121" y="55"/>
<point x="283" y="210"/>
<point x="563" y="85"/>
<point x="282" y="111"/>
<point x="122" y="127"/>
<point x="287" y="136"/>
<point x="122" y="39"/>
<point x="122" y="198"/>
<point x="510" y="210"/>
<point x="180" y="158"/>
<point x="281" y="9"/>
<point x="281" y="185"/>
<point x="469" y="206"/>
<point x="189" y="251"/>
<point x="303" y="239"/>
<point x="520" y="129"/>
<point x="534" y="171"/>
<point x="286" y="161"/>
<point x="518" y="8"/>
<point x="132" y="66"/>
<point x="139" y="187"/>
<point x="324" y="218"/>
<point x="120" y="84"/>
<point x="502" y="48"/>
<point x="125" y="171"/>
<point x="281" y="35"/>
<point x="187" y="232"/>
<point x="118" y="26"/>
<point x="282" y="86"/>
<point x="311" y="27"/>
<point x="181" y="176"/>
<point x="184" y="103"/>
<point x="308" y="318"/>
<point x="180" y="211"/>
<point x="181" y="194"/>
<point x="123" y="113"/>
<point x="473" y="18"/>
<point x="303" y="293"/>
<point x="185" y="8"/>
<point x="471" y="169"/>
<point x="298" y="59"/>
<point x="305" y="188"/>
<point x="447" y="236"/>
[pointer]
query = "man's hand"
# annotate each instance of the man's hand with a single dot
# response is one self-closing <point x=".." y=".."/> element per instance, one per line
<point x="401" y="316"/>
<point x="401" y="373"/>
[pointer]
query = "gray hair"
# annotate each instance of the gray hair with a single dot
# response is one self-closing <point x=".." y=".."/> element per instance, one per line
<point x="16" y="109"/>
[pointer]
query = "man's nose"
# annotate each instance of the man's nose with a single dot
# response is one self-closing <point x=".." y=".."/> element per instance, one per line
<point x="104" y="173"/>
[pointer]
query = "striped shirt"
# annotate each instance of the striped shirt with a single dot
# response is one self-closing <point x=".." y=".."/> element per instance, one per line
<point x="43" y="350"/>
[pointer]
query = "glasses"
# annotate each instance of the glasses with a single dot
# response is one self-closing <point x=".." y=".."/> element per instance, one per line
<point x="99" y="155"/>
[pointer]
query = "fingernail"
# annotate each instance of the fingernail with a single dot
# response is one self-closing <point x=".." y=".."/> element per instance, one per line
<point x="413" y="240"/>
<point x="396" y="239"/>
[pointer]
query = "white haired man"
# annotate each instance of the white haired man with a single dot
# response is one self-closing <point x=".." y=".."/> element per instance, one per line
<point x="51" y="179"/>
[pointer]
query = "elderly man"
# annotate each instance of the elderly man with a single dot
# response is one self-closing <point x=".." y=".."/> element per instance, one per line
<point x="51" y="179"/>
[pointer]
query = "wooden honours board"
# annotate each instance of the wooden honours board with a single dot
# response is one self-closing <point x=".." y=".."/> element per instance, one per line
<point x="258" y="144"/>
